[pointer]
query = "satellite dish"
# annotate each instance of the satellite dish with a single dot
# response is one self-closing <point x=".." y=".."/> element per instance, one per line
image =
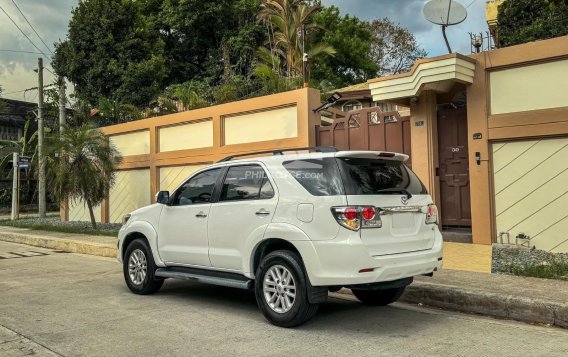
<point x="445" y="13"/>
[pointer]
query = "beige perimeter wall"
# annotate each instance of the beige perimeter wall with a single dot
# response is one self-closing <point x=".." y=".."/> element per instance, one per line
<point x="531" y="191"/>
<point x="160" y="153"/>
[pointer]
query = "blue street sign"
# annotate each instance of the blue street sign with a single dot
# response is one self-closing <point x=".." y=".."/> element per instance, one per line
<point x="24" y="159"/>
<point x="23" y="166"/>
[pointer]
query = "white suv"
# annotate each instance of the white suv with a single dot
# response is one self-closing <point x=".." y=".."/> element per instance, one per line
<point x="290" y="226"/>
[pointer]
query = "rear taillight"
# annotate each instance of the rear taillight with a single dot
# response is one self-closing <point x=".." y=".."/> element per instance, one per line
<point x="356" y="217"/>
<point x="431" y="214"/>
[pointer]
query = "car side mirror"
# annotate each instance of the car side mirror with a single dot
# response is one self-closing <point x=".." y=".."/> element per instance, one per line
<point x="163" y="197"/>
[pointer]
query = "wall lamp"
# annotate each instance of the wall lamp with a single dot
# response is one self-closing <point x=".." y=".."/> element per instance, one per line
<point x="328" y="103"/>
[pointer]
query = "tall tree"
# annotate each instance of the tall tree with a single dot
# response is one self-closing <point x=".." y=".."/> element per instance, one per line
<point x="86" y="171"/>
<point x="394" y="49"/>
<point x="111" y="51"/>
<point x="521" y="21"/>
<point x="206" y="39"/>
<point x="351" y="39"/>
<point x="2" y="103"/>
<point x="285" y="20"/>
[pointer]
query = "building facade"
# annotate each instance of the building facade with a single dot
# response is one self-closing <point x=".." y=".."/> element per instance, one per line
<point x="490" y="139"/>
<point x="487" y="134"/>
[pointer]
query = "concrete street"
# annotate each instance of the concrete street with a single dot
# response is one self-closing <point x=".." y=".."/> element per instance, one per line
<point x="65" y="304"/>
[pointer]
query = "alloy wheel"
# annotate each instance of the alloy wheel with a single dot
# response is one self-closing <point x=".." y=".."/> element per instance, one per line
<point x="279" y="289"/>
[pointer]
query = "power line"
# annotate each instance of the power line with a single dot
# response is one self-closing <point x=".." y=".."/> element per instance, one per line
<point x="23" y="33"/>
<point x="37" y="34"/>
<point x="19" y="51"/>
<point x="27" y="90"/>
<point x="467" y="7"/>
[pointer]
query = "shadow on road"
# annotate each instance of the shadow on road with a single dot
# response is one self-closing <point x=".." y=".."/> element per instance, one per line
<point x="337" y="314"/>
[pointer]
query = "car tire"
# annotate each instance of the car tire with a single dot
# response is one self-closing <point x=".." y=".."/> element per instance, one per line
<point x="378" y="297"/>
<point x="281" y="289"/>
<point x="139" y="268"/>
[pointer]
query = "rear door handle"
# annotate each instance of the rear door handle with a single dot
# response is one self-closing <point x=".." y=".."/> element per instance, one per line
<point x="262" y="212"/>
<point x="201" y="215"/>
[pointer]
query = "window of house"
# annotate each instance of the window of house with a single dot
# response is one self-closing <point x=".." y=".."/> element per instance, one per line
<point x="387" y="107"/>
<point x="352" y="105"/>
<point x="247" y="182"/>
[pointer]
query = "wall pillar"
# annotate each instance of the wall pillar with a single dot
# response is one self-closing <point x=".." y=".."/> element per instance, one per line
<point x="482" y="206"/>
<point x="424" y="141"/>
<point x="154" y="170"/>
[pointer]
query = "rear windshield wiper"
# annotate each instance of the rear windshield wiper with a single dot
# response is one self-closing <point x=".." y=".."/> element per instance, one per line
<point x="395" y="190"/>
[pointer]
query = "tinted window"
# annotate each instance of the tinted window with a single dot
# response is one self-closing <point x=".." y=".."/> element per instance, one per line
<point x="319" y="176"/>
<point x="246" y="183"/>
<point x="369" y="176"/>
<point x="198" y="189"/>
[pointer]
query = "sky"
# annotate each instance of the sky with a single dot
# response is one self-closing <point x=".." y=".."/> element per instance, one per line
<point x="50" y="19"/>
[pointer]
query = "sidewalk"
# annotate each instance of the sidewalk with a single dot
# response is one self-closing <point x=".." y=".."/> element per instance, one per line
<point x="466" y="287"/>
<point x="531" y="300"/>
<point x="74" y="243"/>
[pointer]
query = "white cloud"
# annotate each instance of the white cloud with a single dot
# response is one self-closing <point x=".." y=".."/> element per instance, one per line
<point x="409" y="14"/>
<point x="51" y="17"/>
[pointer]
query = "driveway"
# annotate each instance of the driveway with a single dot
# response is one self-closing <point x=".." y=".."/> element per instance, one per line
<point x="64" y="304"/>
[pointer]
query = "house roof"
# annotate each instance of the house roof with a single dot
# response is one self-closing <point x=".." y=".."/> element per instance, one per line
<point x="354" y="87"/>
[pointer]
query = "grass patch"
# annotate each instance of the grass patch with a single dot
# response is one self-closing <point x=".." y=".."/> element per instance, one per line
<point x="553" y="269"/>
<point x="54" y="224"/>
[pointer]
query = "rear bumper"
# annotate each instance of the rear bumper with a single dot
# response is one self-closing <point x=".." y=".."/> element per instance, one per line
<point x="338" y="262"/>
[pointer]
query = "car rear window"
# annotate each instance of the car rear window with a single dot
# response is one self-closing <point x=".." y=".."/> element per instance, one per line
<point x="320" y="177"/>
<point x="370" y="176"/>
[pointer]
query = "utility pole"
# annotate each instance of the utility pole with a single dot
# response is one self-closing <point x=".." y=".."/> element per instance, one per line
<point x="304" y="57"/>
<point x="62" y="120"/>
<point x="40" y="133"/>
<point x="15" y="187"/>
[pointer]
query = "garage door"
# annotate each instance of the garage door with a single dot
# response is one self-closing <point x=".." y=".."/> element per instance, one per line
<point x="531" y="191"/>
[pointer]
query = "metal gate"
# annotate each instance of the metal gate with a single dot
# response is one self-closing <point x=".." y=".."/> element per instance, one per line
<point x="368" y="129"/>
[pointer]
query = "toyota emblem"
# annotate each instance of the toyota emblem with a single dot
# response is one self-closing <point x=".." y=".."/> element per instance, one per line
<point x="404" y="200"/>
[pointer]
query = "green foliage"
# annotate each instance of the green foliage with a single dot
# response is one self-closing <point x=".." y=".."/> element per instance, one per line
<point x="111" y="51"/>
<point x="85" y="169"/>
<point x="269" y="73"/>
<point x="351" y="40"/>
<point x="114" y="112"/>
<point x="553" y="269"/>
<point x="139" y="58"/>
<point x="284" y="20"/>
<point x="25" y="146"/>
<point x="55" y="225"/>
<point x="2" y="103"/>
<point x="393" y="48"/>
<point x="521" y="21"/>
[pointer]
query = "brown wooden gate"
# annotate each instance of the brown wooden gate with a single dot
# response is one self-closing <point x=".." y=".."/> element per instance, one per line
<point x="368" y="129"/>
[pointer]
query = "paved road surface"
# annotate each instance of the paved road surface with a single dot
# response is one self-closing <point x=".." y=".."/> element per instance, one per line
<point x="61" y="304"/>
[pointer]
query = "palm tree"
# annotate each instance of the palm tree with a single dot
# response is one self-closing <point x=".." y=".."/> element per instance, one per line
<point x="86" y="168"/>
<point x="285" y="20"/>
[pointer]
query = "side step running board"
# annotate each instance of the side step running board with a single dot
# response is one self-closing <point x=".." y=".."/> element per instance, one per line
<point x="237" y="282"/>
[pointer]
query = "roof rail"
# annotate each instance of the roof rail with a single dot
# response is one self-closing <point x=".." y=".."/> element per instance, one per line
<point x="282" y="151"/>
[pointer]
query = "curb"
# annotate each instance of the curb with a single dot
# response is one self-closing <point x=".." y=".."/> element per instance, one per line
<point x="66" y="245"/>
<point x="435" y="295"/>
<point x="485" y="303"/>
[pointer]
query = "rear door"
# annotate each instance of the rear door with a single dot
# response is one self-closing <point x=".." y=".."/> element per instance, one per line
<point x="246" y="205"/>
<point x="387" y="184"/>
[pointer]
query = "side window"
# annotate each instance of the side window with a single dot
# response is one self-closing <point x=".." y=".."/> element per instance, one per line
<point x="198" y="189"/>
<point x="320" y="177"/>
<point x="246" y="183"/>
